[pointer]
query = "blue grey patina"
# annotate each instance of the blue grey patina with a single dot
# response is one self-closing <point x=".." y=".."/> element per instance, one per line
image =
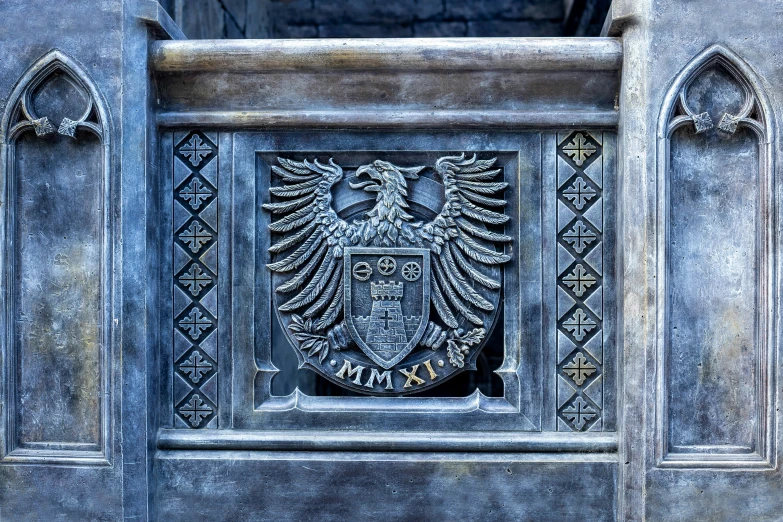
<point x="619" y="247"/>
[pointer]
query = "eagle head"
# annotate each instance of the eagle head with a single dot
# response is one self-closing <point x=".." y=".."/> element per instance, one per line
<point x="387" y="221"/>
<point x="385" y="177"/>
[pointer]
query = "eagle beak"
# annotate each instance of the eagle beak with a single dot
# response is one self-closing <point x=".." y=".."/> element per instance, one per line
<point x="369" y="170"/>
<point x="369" y="186"/>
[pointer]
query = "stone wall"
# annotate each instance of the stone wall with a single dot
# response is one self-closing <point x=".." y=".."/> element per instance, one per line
<point x="385" y="18"/>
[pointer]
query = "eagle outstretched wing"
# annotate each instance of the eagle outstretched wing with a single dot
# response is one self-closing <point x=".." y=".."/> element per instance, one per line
<point x="460" y="241"/>
<point x="315" y="238"/>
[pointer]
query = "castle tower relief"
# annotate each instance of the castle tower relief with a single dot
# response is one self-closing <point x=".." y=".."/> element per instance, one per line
<point x="386" y="333"/>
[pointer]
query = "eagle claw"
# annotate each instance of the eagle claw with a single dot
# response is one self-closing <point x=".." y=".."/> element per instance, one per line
<point x="434" y="336"/>
<point x="339" y="338"/>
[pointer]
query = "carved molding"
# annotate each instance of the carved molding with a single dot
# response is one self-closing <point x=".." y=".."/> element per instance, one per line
<point x="462" y="83"/>
<point x="755" y="114"/>
<point x="507" y="54"/>
<point x="594" y="446"/>
<point x="21" y="114"/>
<point x="20" y="120"/>
<point x="677" y="112"/>
<point x="390" y="119"/>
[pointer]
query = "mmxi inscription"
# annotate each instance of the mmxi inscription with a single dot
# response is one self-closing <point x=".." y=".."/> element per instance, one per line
<point x="388" y="304"/>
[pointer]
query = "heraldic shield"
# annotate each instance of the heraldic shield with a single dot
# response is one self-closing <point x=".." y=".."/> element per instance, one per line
<point x="387" y="300"/>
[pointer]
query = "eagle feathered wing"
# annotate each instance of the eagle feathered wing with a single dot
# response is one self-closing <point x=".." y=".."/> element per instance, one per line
<point x="314" y="240"/>
<point x="462" y="245"/>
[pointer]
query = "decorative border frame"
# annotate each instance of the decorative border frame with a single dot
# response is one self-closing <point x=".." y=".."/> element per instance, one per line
<point x="764" y="457"/>
<point x="560" y="213"/>
<point x="307" y="412"/>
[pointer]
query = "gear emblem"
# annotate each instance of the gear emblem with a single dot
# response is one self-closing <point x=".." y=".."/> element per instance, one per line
<point x="411" y="271"/>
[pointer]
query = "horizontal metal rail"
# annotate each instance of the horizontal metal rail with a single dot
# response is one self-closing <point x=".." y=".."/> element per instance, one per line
<point x="424" y="54"/>
<point x="382" y="119"/>
<point x="301" y="440"/>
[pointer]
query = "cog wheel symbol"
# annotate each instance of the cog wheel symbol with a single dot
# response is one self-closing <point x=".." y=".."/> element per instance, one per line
<point x="362" y="271"/>
<point x="387" y="265"/>
<point x="411" y="271"/>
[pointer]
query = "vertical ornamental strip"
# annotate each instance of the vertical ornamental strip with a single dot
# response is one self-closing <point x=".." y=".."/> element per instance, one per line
<point x="195" y="282"/>
<point x="579" y="184"/>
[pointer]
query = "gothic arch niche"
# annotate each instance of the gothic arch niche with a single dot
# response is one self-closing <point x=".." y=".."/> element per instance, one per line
<point x="57" y="265"/>
<point x="715" y="268"/>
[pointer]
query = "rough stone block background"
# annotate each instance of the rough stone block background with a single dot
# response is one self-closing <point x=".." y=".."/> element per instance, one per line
<point x="386" y="18"/>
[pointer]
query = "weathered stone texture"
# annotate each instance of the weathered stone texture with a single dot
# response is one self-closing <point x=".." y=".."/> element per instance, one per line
<point x="503" y="9"/>
<point x="512" y="28"/>
<point x="203" y="19"/>
<point x="373" y="11"/>
<point x="369" y="18"/>
<point x="640" y="295"/>
<point x="360" y="31"/>
<point x="440" y="29"/>
<point x="258" y="15"/>
<point x="236" y="9"/>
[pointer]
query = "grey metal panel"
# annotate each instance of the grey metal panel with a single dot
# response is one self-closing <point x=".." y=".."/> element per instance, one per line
<point x="57" y="265"/>
<point x="135" y="311"/>
<point x="545" y="484"/>
<point x="525" y="472"/>
<point x="679" y="496"/>
<point x="267" y="423"/>
<point x="57" y="289"/>
<point x="711" y="351"/>
<point x="109" y="42"/>
<point x="36" y="493"/>
<point x="165" y="264"/>
<point x="328" y="486"/>
<point x="28" y="491"/>
<point x="612" y="289"/>
<point x="549" y="280"/>
<point x="225" y="222"/>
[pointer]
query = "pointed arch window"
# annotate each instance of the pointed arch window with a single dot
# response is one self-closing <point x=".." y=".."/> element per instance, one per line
<point x="57" y="259"/>
<point x="715" y="268"/>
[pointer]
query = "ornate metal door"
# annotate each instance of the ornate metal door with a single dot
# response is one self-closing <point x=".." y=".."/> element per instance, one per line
<point x="406" y="309"/>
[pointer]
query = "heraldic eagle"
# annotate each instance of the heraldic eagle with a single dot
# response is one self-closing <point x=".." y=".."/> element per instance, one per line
<point x="312" y="237"/>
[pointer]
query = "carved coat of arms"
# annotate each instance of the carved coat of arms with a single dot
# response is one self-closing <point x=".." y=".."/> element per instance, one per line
<point x="388" y="304"/>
